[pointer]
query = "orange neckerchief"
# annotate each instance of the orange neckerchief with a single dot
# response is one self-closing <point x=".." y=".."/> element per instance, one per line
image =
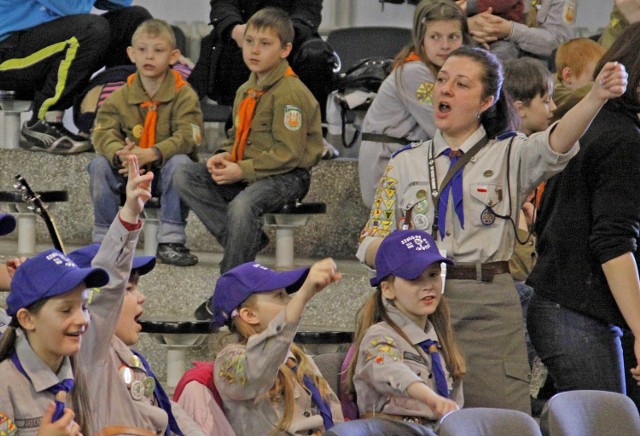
<point x="412" y="57"/>
<point x="246" y="111"/>
<point x="148" y="138"/>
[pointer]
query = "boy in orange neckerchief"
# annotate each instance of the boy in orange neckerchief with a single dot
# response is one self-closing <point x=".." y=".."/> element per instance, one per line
<point x="156" y="116"/>
<point x="276" y="138"/>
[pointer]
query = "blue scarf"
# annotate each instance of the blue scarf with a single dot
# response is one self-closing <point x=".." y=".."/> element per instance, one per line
<point x="161" y="397"/>
<point x="321" y="404"/>
<point x="431" y="348"/>
<point x="65" y="385"/>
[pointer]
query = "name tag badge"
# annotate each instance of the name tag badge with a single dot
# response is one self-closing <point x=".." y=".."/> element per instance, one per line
<point x="487" y="217"/>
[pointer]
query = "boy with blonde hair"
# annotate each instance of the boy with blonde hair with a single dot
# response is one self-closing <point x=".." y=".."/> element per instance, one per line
<point x="575" y="64"/>
<point x="277" y="138"/>
<point x="155" y="116"/>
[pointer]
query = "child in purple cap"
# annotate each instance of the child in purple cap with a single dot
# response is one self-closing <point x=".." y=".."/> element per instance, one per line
<point x="128" y="392"/>
<point x="39" y="360"/>
<point x="268" y="385"/>
<point x="407" y="366"/>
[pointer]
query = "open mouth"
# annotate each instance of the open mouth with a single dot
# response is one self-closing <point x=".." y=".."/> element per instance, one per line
<point x="444" y="108"/>
<point x="428" y="298"/>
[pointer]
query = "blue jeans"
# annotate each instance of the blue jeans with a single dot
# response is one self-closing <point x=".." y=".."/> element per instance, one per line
<point x="580" y="352"/>
<point x="233" y="213"/>
<point x="106" y="187"/>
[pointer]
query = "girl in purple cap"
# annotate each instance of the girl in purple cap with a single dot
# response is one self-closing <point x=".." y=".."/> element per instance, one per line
<point x="268" y="385"/>
<point x="39" y="365"/>
<point x="407" y="366"/>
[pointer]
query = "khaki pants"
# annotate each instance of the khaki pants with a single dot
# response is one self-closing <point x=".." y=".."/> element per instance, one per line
<point x="487" y="321"/>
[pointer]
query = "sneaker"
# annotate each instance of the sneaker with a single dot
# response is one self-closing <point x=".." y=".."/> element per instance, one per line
<point x="52" y="138"/>
<point x="175" y="254"/>
<point x="204" y="312"/>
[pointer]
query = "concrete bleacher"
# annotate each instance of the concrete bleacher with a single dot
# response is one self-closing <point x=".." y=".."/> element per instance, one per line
<point x="174" y="291"/>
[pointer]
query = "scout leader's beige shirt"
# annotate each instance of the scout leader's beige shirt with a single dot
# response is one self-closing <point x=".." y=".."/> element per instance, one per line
<point x="488" y="179"/>
<point x="245" y="373"/>
<point x="286" y="131"/>
<point x="388" y="365"/>
<point x="104" y="356"/>
<point x="23" y="402"/>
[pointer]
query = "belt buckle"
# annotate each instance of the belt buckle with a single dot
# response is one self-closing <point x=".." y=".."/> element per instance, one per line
<point x="479" y="272"/>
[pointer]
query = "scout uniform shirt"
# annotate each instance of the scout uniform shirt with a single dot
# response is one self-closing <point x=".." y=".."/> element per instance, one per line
<point x="179" y="125"/>
<point x="388" y="365"/>
<point x="399" y="112"/>
<point x="488" y="179"/>
<point x="23" y="401"/>
<point x="555" y="25"/>
<point x="244" y="374"/>
<point x="120" y="396"/>
<point x="4" y="321"/>
<point x="286" y="131"/>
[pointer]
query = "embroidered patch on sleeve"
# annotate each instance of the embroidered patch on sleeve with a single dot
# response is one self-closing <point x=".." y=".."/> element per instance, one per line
<point x="292" y="118"/>
<point x="195" y="132"/>
<point x="7" y="427"/>
<point x="569" y="11"/>
<point x="233" y="369"/>
<point x="424" y="93"/>
<point x="384" y="347"/>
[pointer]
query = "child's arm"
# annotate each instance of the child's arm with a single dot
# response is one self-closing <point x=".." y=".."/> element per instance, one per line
<point x="439" y="405"/>
<point x="610" y="83"/>
<point x="115" y="256"/>
<point x="321" y="274"/>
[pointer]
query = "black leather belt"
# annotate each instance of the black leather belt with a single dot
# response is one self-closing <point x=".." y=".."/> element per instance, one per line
<point x="482" y="272"/>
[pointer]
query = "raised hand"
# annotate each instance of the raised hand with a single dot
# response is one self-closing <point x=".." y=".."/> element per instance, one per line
<point x="611" y="81"/>
<point x="138" y="191"/>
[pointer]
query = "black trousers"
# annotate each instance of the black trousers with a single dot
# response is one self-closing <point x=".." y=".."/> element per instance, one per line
<point x="52" y="62"/>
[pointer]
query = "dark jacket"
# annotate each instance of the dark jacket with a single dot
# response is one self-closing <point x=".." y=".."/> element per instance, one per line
<point x="590" y="214"/>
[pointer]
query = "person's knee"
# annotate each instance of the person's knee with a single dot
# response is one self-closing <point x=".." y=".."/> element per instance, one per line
<point x="182" y="175"/>
<point x="138" y="13"/>
<point x="93" y="34"/>
<point x="99" y="169"/>
<point x="241" y="209"/>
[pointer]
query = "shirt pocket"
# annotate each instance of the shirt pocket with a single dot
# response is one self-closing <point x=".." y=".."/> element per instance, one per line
<point x="487" y="200"/>
<point x="262" y="123"/>
<point x="416" y="205"/>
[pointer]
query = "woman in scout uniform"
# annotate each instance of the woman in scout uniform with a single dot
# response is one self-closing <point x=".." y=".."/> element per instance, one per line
<point x="476" y="228"/>
<point x="402" y="111"/>
<point x="404" y="337"/>
<point x="267" y="383"/>
<point x="147" y="404"/>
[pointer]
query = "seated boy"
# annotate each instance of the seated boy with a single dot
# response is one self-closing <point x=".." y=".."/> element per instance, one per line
<point x="575" y="62"/>
<point x="278" y="138"/>
<point x="155" y="116"/>
<point x="130" y="393"/>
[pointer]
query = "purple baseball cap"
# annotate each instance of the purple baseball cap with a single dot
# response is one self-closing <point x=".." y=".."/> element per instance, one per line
<point x="7" y="223"/>
<point x="406" y="254"/>
<point x="238" y="284"/>
<point x="84" y="256"/>
<point x="49" y="274"/>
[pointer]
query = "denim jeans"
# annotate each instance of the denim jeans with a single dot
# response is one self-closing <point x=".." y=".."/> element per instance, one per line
<point x="580" y="352"/>
<point x="233" y="213"/>
<point x="106" y="187"/>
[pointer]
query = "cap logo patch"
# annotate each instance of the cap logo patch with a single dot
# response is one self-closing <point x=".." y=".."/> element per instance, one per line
<point x="59" y="259"/>
<point x="415" y="242"/>
<point x="257" y="265"/>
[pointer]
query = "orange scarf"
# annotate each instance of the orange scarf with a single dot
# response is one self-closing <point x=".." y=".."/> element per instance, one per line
<point x="246" y="111"/>
<point x="412" y="57"/>
<point x="148" y="138"/>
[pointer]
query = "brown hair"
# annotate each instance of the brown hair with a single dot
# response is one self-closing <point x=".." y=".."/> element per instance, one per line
<point x="577" y="54"/>
<point x="526" y="79"/>
<point x="429" y="11"/>
<point x="155" y="28"/>
<point x="284" y="386"/>
<point x="79" y="393"/>
<point x="275" y="19"/>
<point x="373" y="312"/>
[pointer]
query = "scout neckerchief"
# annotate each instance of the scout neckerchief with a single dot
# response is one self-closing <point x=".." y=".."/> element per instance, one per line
<point x="63" y="386"/>
<point x="245" y="116"/>
<point x="321" y="404"/>
<point x="161" y="397"/>
<point x="412" y="57"/>
<point x="148" y="138"/>
<point x="431" y="348"/>
<point x="453" y="169"/>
